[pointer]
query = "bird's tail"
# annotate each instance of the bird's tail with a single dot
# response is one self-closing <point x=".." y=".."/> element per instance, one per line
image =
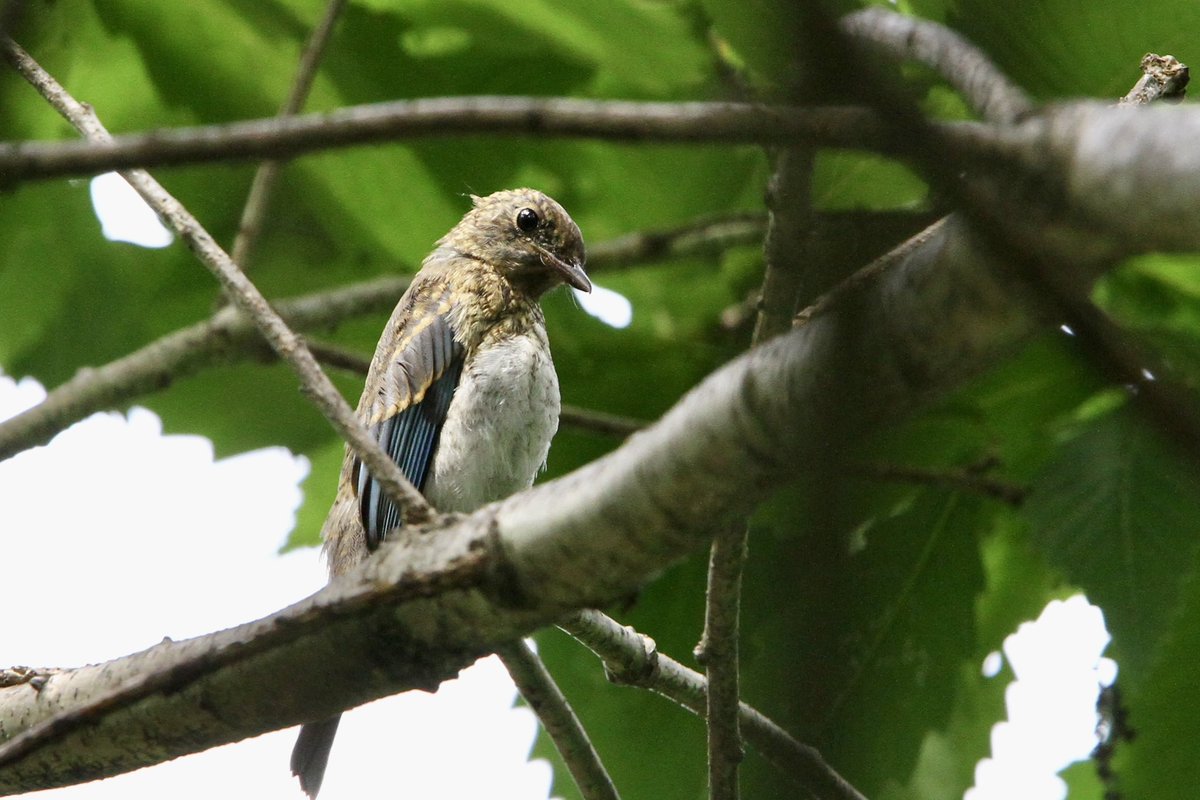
<point x="311" y="753"/>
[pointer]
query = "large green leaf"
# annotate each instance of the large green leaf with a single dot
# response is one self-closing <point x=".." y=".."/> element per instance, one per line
<point x="1118" y="512"/>
<point x="1160" y="760"/>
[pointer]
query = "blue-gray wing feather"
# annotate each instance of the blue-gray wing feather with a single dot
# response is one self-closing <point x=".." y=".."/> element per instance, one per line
<point x="431" y="363"/>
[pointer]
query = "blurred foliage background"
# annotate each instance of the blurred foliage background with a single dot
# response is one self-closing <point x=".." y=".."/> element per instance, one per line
<point x="869" y="604"/>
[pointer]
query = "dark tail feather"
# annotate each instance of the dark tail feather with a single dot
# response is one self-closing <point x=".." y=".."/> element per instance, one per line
<point x="311" y="753"/>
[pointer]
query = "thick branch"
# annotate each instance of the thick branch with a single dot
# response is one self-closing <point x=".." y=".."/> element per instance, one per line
<point x="614" y="120"/>
<point x="1104" y="208"/>
<point x="439" y="601"/>
<point x="632" y="659"/>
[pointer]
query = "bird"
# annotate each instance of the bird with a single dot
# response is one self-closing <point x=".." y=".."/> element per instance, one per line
<point x="461" y="392"/>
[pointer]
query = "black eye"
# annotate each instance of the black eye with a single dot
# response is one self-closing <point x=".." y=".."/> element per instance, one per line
<point x="527" y="219"/>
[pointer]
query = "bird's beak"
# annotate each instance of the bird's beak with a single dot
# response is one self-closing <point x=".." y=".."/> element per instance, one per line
<point x="572" y="273"/>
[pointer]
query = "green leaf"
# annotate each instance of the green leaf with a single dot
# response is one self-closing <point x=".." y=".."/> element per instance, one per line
<point x="1118" y="512"/>
<point x="1161" y="759"/>
<point x="864" y="600"/>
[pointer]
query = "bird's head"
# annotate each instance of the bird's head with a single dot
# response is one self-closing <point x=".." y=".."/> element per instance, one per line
<point x="526" y="236"/>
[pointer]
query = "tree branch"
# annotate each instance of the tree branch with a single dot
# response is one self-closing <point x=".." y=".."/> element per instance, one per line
<point x="267" y="174"/>
<point x="314" y="383"/>
<point x="718" y="651"/>
<point x="612" y="120"/>
<point x="966" y="479"/>
<point x="1057" y="242"/>
<point x="963" y="65"/>
<point x="582" y="418"/>
<point x="1163" y="78"/>
<point x="588" y="419"/>
<point x="785" y="248"/>
<point x="542" y="694"/>
<point x="227" y="337"/>
<point x="632" y="659"/>
<point x="707" y="235"/>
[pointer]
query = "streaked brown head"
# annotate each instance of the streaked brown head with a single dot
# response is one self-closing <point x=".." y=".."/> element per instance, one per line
<point x="526" y="236"/>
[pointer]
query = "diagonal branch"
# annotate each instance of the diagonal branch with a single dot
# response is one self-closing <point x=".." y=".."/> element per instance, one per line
<point x="267" y="174"/>
<point x="227" y="337"/>
<point x="632" y="659"/>
<point x="708" y="235"/>
<point x="542" y="694"/>
<point x="965" y="479"/>
<point x="1104" y="191"/>
<point x="283" y="340"/>
<point x="582" y="418"/>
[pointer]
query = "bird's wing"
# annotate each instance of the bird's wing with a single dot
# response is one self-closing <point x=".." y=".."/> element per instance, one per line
<point x="412" y="395"/>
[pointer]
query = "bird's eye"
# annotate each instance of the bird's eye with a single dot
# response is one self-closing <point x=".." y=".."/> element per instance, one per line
<point x="527" y="219"/>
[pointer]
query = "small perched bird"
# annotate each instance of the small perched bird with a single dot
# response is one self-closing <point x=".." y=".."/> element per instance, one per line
<point x="461" y="392"/>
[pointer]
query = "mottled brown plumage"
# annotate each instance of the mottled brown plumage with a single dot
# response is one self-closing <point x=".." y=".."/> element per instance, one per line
<point x="462" y="391"/>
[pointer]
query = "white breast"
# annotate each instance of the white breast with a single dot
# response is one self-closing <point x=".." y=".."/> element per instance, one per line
<point x="499" y="425"/>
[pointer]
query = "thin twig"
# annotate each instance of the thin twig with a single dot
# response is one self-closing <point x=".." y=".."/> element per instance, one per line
<point x="871" y="272"/>
<point x="267" y="174"/>
<point x="784" y="249"/>
<point x="967" y="479"/>
<point x="963" y="65"/>
<point x="718" y="652"/>
<point x="283" y="340"/>
<point x="789" y="199"/>
<point x="787" y="235"/>
<point x="588" y="419"/>
<point x="704" y="236"/>
<point x="613" y="120"/>
<point x="558" y="719"/>
<point x="338" y="357"/>
<point x="1163" y="78"/>
<point x="633" y="660"/>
